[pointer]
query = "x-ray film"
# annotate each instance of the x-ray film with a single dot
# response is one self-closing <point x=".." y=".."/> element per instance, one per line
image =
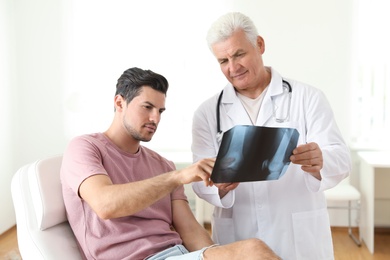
<point x="254" y="153"/>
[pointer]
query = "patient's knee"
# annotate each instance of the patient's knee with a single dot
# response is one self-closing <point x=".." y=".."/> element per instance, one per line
<point x="255" y="243"/>
<point x="261" y="248"/>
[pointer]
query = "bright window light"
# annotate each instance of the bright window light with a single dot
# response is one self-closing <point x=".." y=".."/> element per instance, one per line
<point x="371" y="86"/>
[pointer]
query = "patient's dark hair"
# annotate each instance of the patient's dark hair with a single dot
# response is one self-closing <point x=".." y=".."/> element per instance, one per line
<point x="132" y="80"/>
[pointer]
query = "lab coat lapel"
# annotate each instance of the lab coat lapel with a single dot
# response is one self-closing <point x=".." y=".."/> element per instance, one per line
<point x="265" y="111"/>
<point x="275" y="88"/>
<point x="234" y="108"/>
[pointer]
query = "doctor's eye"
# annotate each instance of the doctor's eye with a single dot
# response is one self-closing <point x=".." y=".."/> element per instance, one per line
<point x="222" y="61"/>
<point x="239" y="54"/>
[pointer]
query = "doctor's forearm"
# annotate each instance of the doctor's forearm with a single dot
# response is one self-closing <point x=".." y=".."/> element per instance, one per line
<point x="224" y="188"/>
<point x="222" y="193"/>
<point x="316" y="175"/>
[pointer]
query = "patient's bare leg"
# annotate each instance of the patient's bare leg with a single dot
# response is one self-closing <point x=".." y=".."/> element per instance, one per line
<point x="250" y="249"/>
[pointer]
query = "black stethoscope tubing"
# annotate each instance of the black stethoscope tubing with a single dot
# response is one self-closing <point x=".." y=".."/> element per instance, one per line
<point x="219" y="131"/>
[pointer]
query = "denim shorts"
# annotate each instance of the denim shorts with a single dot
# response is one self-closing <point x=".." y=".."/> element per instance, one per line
<point x="178" y="252"/>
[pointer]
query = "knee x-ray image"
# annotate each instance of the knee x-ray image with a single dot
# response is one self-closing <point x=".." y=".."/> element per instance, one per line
<point x="254" y="153"/>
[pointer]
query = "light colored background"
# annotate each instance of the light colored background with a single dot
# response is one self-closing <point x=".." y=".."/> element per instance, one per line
<point x="60" y="60"/>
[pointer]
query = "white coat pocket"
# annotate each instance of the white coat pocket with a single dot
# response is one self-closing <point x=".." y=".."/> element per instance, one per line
<point x="312" y="230"/>
<point x="225" y="229"/>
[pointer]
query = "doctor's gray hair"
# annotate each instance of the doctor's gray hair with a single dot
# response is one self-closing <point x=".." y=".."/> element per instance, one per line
<point x="227" y="24"/>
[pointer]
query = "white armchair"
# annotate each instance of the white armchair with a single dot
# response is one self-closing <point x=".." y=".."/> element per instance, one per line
<point x="42" y="228"/>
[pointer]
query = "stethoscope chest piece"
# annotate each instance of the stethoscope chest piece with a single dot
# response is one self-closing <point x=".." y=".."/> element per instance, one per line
<point x="219" y="137"/>
<point x="281" y="108"/>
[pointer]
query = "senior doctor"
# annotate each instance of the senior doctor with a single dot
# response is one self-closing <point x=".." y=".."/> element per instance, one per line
<point x="289" y="214"/>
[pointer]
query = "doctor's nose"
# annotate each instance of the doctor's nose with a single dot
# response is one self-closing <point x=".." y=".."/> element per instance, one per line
<point x="233" y="67"/>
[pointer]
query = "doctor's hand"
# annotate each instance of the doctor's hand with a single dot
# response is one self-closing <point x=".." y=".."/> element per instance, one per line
<point x="310" y="157"/>
<point x="224" y="188"/>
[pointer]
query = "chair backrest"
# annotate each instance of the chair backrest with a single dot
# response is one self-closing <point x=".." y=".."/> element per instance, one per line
<point x="344" y="191"/>
<point x="42" y="227"/>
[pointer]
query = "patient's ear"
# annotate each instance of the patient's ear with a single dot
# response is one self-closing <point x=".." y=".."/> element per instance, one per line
<point x="119" y="103"/>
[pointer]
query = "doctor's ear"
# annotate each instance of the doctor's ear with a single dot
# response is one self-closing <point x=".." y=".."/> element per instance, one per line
<point x="261" y="44"/>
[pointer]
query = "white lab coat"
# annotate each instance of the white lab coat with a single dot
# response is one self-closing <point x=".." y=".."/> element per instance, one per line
<point x="289" y="214"/>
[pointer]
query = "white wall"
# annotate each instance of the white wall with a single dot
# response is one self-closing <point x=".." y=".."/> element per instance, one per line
<point x="32" y="123"/>
<point x="310" y="41"/>
<point x="302" y="42"/>
<point x="6" y="139"/>
<point x="63" y="59"/>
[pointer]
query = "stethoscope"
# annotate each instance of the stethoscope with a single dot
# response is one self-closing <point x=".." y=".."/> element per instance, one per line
<point x="277" y="112"/>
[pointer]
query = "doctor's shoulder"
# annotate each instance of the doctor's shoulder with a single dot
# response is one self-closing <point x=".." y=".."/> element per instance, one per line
<point x="310" y="97"/>
<point x="209" y="105"/>
<point x="304" y="90"/>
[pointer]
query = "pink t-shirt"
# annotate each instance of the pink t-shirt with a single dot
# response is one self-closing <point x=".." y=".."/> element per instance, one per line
<point x="133" y="237"/>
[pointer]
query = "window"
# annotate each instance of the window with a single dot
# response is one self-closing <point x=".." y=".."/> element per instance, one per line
<point x="371" y="77"/>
